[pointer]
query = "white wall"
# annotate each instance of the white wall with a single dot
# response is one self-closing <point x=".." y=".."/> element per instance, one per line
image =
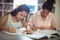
<point x="57" y="14"/>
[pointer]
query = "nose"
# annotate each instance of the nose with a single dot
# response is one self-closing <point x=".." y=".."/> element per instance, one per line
<point x="22" y="17"/>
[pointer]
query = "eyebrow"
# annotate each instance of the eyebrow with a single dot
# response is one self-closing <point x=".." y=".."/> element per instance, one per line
<point x="22" y="15"/>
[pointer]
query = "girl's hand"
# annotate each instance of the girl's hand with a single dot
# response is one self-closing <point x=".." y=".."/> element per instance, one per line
<point x="29" y="31"/>
<point x="34" y="28"/>
<point x="24" y="23"/>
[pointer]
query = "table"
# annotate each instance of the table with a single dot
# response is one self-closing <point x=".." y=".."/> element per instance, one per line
<point x="4" y="36"/>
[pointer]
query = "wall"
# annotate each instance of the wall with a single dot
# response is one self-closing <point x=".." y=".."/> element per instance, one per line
<point x="57" y="14"/>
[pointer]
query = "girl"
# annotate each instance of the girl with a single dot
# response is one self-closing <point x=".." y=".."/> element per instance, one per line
<point x="14" y="19"/>
<point x="43" y="19"/>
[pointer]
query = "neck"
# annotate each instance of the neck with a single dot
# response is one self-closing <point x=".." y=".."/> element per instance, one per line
<point x="14" y="18"/>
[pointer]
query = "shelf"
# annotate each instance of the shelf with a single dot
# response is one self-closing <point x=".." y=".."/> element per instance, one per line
<point x="0" y="13"/>
<point x="1" y="5"/>
<point x="8" y="1"/>
<point x="1" y="10"/>
<point x="8" y="7"/>
<point x="5" y="6"/>
<point x="0" y="18"/>
<point x="7" y="10"/>
<point x="1" y="1"/>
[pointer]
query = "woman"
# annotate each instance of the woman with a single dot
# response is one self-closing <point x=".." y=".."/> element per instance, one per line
<point x="43" y="19"/>
<point x="14" y="19"/>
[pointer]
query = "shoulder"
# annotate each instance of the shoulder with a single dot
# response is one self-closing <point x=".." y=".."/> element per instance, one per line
<point x="51" y="13"/>
<point x="52" y="16"/>
<point x="5" y="16"/>
<point x="4" y="19"/>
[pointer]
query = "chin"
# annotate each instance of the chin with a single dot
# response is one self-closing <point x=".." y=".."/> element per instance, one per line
<point x="18" y="19"/>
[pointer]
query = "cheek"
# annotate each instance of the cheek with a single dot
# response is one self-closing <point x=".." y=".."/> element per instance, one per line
<point x="18" y="17"/>
<point x="25" y="14"/>
<point x="46" y="11"/>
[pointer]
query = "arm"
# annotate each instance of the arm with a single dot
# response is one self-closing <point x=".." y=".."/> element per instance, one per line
<point x="31" y="26"/>
<point x="3" y="20"/>
<point x="24" y="23"/>
<point x="53" y="22"/>
<point x="32" y="22"/>
<point x="3" y="28"/>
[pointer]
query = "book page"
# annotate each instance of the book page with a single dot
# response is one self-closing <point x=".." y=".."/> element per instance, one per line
<point x="43" y="33"/>
<point x="18" y="32"/>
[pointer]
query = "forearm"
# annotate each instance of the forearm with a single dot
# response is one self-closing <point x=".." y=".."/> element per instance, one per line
<point x="47" y="28"/>
<point x="24" y="23"/>
<point x="2" y="28"/>
<point x="53" y="28"/>
<point x="8" y="29"/>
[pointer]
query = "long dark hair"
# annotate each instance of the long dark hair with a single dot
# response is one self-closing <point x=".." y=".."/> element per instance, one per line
<point x="48" y="5"/>
<point x="22" y="7"/>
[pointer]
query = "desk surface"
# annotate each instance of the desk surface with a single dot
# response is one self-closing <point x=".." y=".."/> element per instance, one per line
<point x="4" y="36"/>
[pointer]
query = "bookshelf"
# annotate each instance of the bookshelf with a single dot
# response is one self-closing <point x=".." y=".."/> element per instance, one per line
<point x="5" y="6"/>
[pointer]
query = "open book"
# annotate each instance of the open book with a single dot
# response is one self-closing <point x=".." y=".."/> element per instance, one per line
<point x="43" y="33"/>
<point x="37" y="34"/>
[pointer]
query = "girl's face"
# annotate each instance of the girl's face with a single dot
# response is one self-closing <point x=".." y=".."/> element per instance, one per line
<point x="45" y="12"/>
<point x="21" y="15"/>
